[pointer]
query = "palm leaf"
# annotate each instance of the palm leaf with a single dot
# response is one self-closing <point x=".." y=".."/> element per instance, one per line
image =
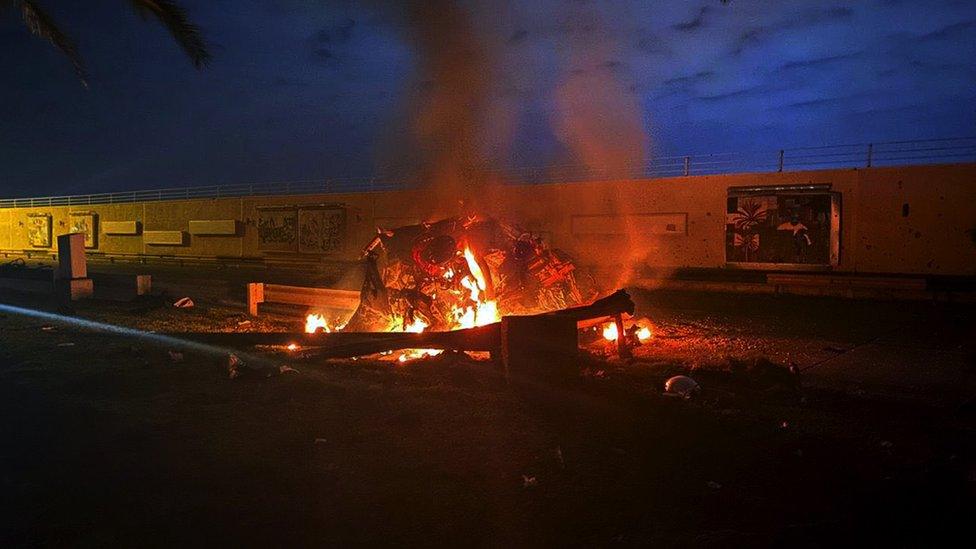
<point x="40" y="24"/>
<point x="174" y="18"/>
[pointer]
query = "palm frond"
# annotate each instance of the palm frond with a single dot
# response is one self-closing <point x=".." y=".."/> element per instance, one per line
<point x="40" y="24"/>
<point x="174" y="18"/>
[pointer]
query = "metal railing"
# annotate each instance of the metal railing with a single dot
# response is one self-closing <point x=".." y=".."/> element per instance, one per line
<point x="866" y="155"/>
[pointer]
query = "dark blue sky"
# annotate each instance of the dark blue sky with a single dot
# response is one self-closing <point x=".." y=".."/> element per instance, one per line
<point x="309" y="89"/>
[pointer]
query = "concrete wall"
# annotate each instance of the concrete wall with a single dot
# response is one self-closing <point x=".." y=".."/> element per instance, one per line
<point x="661" y="223"/>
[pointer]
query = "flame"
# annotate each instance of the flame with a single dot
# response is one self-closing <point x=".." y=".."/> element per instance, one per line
<point x="416" y="327"/>
<point x="314" y="322"/>
<point x="411" y="354"/>
<point x="292" y="347"/>
<point x="484" y="311"/>
<point x="610" y="333"/>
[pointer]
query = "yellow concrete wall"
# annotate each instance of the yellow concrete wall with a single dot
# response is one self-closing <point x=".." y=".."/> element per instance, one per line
<point x="936" y="237"/>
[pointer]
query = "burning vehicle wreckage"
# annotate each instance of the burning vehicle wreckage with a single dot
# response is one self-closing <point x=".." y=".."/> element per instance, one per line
<point x="467" y="285"/>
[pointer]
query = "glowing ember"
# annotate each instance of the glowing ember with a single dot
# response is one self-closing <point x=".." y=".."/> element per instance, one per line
<point x="292" y="347"/>
<point x="610" y="332"/>
<point x="644" y="333"/>
<point x="411" y="354"/>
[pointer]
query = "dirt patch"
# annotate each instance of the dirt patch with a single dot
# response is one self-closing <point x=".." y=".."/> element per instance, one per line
<point x="112" y="441"/>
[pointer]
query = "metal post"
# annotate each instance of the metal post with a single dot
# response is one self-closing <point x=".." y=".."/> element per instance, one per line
<point x="687" y="165"/>
<point x="870" y="153"/>
<point x="781" y="154"/>
<point x="623" y="347"/>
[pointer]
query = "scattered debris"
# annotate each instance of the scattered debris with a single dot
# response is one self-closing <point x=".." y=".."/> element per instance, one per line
<point x="713" y="485"/>
<point x="284" y="369"/>
<point x="321" y="441"/>
<point x="835" y="349"/>
<point x="183" y="303"/>
<point x="48" y="328"/>
<point x="559" y="457"/>
<point x="682" y="386"/>
<point x="175" y="356"/>
<point x="66" y="344"/>
<point x="244" y="323"/>
<point x="529" y="482"/>
<point x="233" y="362"/>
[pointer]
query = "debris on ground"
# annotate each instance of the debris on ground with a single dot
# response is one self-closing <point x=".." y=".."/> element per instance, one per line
<point x="284" y="369"/>
<point x="528" y="481"/>
<point x="682" y="386"/>
<point x="183" y="303"/>
<point x="66" y="344"/>
<point x="233" y="364"/>
<point x="175" y="356"/>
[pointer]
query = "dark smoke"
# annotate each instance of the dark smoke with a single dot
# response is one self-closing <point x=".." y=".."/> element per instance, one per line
<point x="471" y="87"/>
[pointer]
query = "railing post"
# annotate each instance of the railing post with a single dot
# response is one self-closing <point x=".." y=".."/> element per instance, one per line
<point x="687" y="165"/>
<point x="870" y="153"/>
<point x="782" y="153"/>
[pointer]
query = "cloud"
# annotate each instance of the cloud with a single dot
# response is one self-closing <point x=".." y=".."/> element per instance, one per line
<point x="691" y="79"/>
<point x="758" y="89"/>
<point x="339" y="33"/>
<point x="947" y="32"/>
<point x="694" y="23"/>
<point x="831" y="101"/>
<point x="650" y="43"/>
<point x="805" y="19"/>
<point x="749" y="38"/>
<point x="817" y="62"/>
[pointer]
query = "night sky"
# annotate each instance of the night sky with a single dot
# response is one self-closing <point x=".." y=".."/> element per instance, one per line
<point x="311" y="89"/>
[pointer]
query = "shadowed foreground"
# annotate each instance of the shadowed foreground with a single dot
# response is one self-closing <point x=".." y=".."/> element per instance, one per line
<point x="109" y="441"/>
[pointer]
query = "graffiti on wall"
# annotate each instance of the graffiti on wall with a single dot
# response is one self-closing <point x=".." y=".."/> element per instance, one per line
<point x="320" y="230"/>
<point x="781" y="229"/>
<point x="303" y="229"/>
<point x="278" y="229"/>
<point x="85" y="223"/>
<point x="39" y="230"/>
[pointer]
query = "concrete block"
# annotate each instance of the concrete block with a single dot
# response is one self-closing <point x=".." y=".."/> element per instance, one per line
<point x="75" y="289"/>
<point x="214" y="227"/>
<point x="71" y="257"/>
<point x="164" y="238"/>
<point x="143" y="284"/>
<point x="120" y="227"/>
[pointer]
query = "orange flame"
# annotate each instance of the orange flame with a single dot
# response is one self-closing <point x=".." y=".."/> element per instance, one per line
<point x="484" y="311"/>
<point x="314" y="322"/>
